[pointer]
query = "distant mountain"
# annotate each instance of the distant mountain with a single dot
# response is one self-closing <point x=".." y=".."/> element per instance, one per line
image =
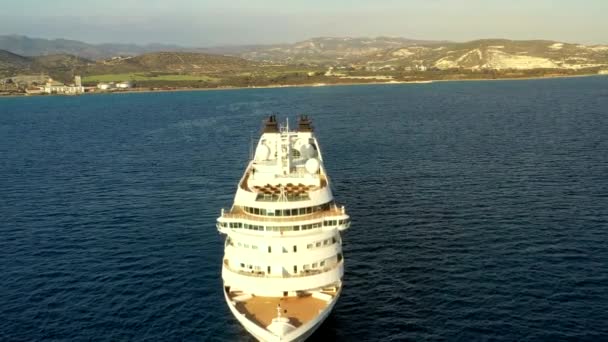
<point x="27" y="46"/>
<point x="326" y="49"/>
<point x="322" y="49"/>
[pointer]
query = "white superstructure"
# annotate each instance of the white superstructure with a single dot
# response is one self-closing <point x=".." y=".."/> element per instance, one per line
<point x="283" y="262"/>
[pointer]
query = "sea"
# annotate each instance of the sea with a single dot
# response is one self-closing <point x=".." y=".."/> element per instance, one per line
<point x="479" y="210"/>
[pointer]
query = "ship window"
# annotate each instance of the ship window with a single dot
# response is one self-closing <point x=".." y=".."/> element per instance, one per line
<point x="325" y="242"/>
<point x="309" y="246"/>
<point x="284" y="250"/>
<point x="254" y="247"/>
<point x="294" y="212"/>
<point x="333" y="240"/>
<point x="242" y="265"/>
<point x="295" y="248"/>
<point x="286" y="212"/>
<point x="306" y="267"/>
<point x="295" y="269"/>
<point x="314" y="265"/>
<point x="322" y="263"/>
<point x="256" y="211"/>
<point x="296" y="228"/>
<point x="262" y="211"/>
<point x="246" y="245"/>
<point x="269" y="249"/>
<point x="339" y="257"/>
<point x="318" y="244"/>
<point x="268" y="268"/>
<point x="302" y="211"/>
<point x="239" y="244"/>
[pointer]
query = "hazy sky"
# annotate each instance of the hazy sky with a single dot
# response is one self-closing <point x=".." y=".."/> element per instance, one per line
<point x="206" y="23"/>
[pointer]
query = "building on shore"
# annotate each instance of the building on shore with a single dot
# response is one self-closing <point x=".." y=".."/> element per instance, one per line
<point x="56" y="87"/>
<point x="114" y="85"/>
<point x="105" y="86"/>
<point x="124" y="85"/>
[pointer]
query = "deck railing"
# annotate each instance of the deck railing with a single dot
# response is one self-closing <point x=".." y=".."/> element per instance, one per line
<point x="239" y="213"/>
<point x="303" y="273"/>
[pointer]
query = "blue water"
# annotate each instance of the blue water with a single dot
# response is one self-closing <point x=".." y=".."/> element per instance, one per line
<point x="480" y="210"/>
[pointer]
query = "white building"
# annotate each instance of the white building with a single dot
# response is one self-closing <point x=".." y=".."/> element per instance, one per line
<point x="114" y="86"/>
<point x="124" y="85"/>
<point x="105" y="86"/>
<point x="55" y="87"/>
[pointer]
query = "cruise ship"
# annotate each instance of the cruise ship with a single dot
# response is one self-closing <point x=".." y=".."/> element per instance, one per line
<point x="283" y="265"/>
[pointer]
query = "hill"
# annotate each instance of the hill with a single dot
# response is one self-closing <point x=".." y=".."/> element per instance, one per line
<point x="323" y="60"/>
<point x="323" y="50"/>
<point x="171" y="62"/>
<point x="9" y="60"/>
<point x="493" y="54"/>
<point x="26" y="46"/>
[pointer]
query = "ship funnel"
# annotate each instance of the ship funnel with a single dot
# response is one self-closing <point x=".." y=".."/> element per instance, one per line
<point x="304" y="124"/>
<point x="271" y="125"/>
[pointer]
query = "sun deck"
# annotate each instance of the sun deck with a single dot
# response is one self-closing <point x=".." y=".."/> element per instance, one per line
<point x="290" y="184"/>
<point x="299" y="309"/>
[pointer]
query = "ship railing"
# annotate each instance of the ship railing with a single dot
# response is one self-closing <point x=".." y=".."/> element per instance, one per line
<point x="303" y="273"/>
<point x="333" y="211"/>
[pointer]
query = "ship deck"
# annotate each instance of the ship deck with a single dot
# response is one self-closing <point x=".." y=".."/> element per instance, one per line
<point x="299" y="309"/>
<point x="288" y="182"/>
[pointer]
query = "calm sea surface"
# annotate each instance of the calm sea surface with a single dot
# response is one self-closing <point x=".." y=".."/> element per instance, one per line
<point x="480" y="210"/>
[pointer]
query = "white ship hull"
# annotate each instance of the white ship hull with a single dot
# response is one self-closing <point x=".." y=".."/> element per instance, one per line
<point x="300" y="334"/>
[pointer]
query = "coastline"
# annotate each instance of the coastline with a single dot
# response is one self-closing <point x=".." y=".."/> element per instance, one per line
<point x="308" y="85"/>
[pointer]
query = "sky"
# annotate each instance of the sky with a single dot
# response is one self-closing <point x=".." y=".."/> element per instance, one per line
<point x="201" y="23"/>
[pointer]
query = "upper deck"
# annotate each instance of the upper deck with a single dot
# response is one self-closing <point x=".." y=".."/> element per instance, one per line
<point x="287" y="166"/>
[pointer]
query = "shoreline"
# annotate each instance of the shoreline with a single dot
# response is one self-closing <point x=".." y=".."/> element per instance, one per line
<point x="309" y="85"/>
